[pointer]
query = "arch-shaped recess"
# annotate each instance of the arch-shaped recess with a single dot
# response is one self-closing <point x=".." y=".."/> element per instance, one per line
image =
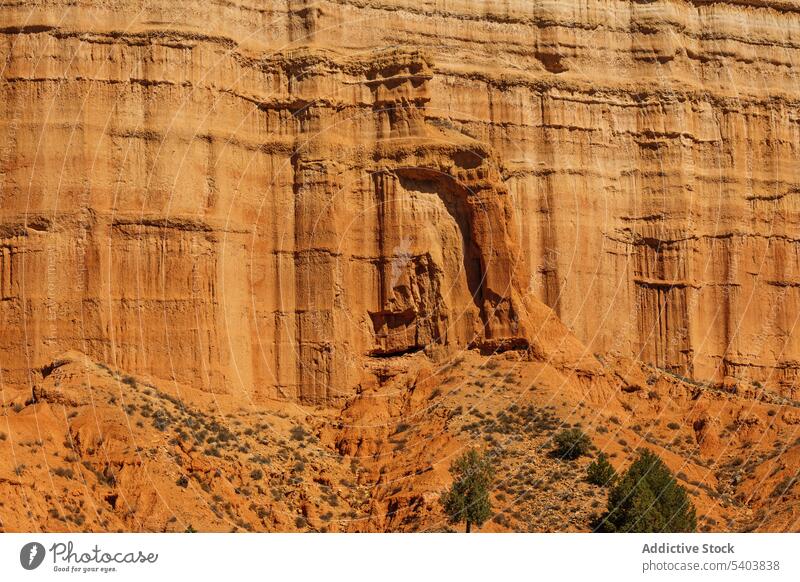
<point x="440" y="240"/>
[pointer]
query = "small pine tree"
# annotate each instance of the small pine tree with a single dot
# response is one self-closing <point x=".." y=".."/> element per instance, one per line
<point x="467" y="499"/>
<point x="601" y="472"/>
<point x="571" y="443"/>
<point x="647" y="498"/>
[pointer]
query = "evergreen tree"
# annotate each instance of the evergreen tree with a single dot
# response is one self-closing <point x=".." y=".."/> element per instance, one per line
<point x="648" y="499"/>
<point x="467" y="500"/>
<point x="601" y="472"/>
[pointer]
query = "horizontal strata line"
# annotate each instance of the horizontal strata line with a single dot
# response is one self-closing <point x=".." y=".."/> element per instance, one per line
<point x="640" y="241"/>
<point x="168" y="38"/>
<point x="288" y="102"/>
<point x="646" y="133"/>
<point x="492" y="18"/>
<point x="777" y="6"/>
<point x="287" y="139"/>
<point x="515" y="48"/>
<point x="635" y="96"/>
<point x="680" y="283"/>
<point x="303" y="56"/>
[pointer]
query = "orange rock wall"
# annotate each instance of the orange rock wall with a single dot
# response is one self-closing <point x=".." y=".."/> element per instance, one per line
<point x="261" y="197"/>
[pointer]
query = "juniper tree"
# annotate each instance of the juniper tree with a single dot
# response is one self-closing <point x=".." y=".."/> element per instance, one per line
<point x="467" y="500"/>
<point x="601" y="472"/>
<point x="647" y="498"/>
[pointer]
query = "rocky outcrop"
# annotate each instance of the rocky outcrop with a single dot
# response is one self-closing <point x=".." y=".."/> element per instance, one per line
<point x="261" y="199"/>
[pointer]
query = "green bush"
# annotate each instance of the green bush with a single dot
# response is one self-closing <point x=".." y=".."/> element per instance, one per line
<point x="647" y="498"/>
<point x="601" y="472"/>
<point x="571" y="443"/>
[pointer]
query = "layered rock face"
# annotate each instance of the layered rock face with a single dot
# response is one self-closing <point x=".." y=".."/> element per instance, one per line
<point x="271" y="198"/>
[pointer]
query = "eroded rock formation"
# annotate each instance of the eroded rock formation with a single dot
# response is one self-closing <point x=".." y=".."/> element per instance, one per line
<point x="257" y="198"/>
<point x="270" y="265"/>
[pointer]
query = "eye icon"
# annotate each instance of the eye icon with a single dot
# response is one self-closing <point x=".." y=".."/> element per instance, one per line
<point x="31" y="555"/>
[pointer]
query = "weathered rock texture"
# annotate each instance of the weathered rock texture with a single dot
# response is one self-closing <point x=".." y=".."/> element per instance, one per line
<point x="259" y="197"/>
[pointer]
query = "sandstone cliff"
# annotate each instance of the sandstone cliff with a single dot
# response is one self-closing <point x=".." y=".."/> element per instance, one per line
<point x="303" y="203"/>
<point x="255" y="196"/>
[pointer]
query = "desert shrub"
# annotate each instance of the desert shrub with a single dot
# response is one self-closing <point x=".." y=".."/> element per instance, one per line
<point x="571" y="443"/>
<point x="647" y="498"/>
<point x="673" y="426"/>
<point x="298" y="433"/>
<point x="224" y="435"/>
<point x="64" y="472"/>
<point x="55" y="514"/>
<point x="256" y="474"/>
<point x="160" y="420"/>
<point x="601" y="472"/>
<point x="501" y="519"/>
<point x="182" y="481"/>
<point x="783" y="487"/>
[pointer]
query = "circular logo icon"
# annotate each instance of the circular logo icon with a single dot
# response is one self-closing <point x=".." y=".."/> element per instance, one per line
<point x="31" y="555"/>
